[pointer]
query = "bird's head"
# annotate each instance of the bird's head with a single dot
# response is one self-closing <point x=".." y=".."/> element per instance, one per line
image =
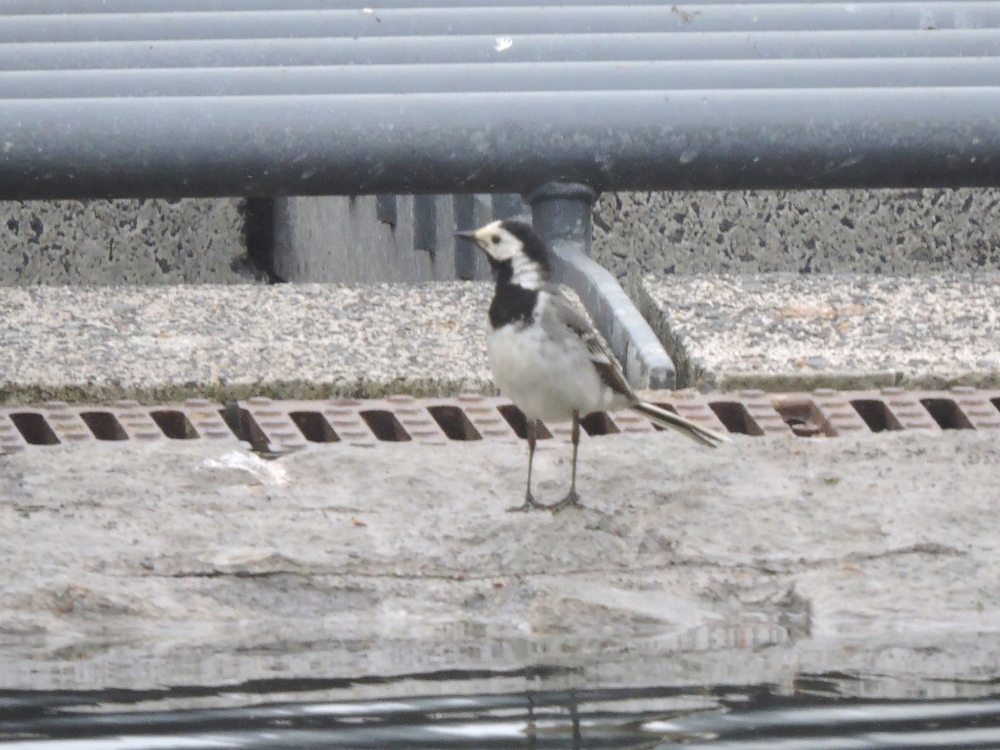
<point x="515" y="252"/>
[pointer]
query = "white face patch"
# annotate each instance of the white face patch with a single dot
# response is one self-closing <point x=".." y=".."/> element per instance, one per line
<point x="501" y="245"/>
<point x="498" y="243"/>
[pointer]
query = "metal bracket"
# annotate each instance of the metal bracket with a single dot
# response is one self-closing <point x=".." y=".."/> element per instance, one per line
<point x="561" y="213"/>
<point x="425" y="236"/>
<point x="471" y="212"/>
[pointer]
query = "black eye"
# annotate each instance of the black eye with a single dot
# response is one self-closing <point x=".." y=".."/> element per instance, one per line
<point x="496" y="239"/>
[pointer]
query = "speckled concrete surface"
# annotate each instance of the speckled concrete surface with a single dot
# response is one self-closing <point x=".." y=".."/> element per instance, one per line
<point x="123" y="242"/>
<point x="779" y="332"/>
<point x="176" y="564"/>
<point x="284" y="341"/>
<point x="201" y="241"/>
<point x="857" y="231"/>
<point x="789" y="332"/>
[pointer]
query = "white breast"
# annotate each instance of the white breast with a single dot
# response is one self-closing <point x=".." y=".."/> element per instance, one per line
<point x="547" y="380"/>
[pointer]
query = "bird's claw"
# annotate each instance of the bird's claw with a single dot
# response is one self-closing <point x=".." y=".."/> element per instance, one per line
<point x="572" y="500"/>
<point x="527" y="505"/>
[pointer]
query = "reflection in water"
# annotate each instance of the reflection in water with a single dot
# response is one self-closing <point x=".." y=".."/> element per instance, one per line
<point x="817" y="712"/>
<point x="719" y="650"/>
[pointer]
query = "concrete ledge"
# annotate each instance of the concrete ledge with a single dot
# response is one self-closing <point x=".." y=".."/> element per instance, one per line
<point x="186" y="563"/>
<point x="793" y="332"/>
<point x="781" y="333"/>
<point x="100" y="344"/>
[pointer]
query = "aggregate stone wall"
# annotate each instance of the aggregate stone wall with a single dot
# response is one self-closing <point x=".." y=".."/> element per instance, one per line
<point x="128" y="242"/>
<point x="203" y="240"/>
<point x="835" y="231"/>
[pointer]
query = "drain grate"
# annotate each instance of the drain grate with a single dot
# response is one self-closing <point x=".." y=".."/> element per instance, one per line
<point x="56" y="422"/>
<point x="277" y="426"/>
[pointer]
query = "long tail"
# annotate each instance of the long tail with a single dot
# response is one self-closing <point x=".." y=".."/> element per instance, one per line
<point x="665" y="418"/>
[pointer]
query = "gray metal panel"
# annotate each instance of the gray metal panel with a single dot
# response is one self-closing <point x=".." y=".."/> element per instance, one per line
<point x="482" y="213"/>
<point x="425" y="234"/>
<point x="444" y="252"/>
<point x="387" y="209"/>
<point x="340" y="240"/>
<point x="471" y="212"/>
<point x="465" y="250"/>
<point x="643" y="140"/>
<point x="488" y="48"/>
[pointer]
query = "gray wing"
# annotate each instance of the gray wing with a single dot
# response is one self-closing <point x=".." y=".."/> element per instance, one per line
<point x="578" y="325"/>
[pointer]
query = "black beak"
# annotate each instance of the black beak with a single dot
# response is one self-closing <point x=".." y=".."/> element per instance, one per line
<point x="467" y="235"/>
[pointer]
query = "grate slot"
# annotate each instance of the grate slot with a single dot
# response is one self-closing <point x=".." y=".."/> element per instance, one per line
<point x="454" y="423"/>
<point x="947" y="414"/>
<point x="34" y="428"/>
<point x="519" y="423"/>
<point x="104" y="425"/>
<point x="666" y="407"/>
<point x="598" y="423"/>
<point x="244" y="427"/>
<point x="735" y="417"/>
<point x="314" y="427"/>
<point x="174" y="424"/>
<point x="232" y="415"/>
<point x="385" y="426"/>
<point x="876" y="414"/>
<point x="802" y="418"/>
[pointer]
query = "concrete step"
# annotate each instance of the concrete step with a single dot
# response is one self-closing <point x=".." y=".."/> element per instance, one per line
<point x="176" y="563"/>
<point x="774" y="332"/>
<point x="101" y="344"/>
<point x="798" y="332"/>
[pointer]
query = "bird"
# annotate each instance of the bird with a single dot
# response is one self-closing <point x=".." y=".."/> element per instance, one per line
<point x="546" y="356"/>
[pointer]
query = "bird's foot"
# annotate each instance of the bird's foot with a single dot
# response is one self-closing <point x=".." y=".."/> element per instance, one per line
<point x="572" y="500"/>
<point x="528" y="504"/>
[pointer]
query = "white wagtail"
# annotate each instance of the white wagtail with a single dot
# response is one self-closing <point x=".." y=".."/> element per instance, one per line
<point x="546" y="357"/>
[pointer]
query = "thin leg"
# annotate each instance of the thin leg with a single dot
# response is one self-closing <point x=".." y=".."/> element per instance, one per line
<point x="532" y="430"/>
<point x="529" y="499"/>
<point x="571" y="498"/>
<point x="576" y="448"/>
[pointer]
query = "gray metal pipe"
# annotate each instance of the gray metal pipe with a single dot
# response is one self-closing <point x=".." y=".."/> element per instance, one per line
<point x="946" y="14"/>
<point x="476" y="49"/>
<point x="511" y="142"/>
<point x="52" y="7"/>
<point x="561" y="213"/>
<point x="579" y="76"/>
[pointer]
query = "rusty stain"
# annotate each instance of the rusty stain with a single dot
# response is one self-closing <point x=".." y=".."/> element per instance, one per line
<point x="686" y="17"/>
